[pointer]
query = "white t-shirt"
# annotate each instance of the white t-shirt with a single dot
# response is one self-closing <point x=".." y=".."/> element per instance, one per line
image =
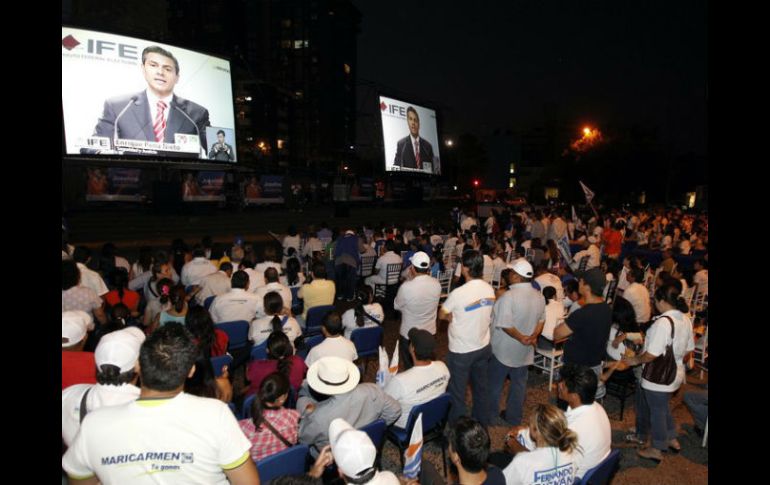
<point x="92" y="279"/>
<point x="185" y="439"/>
<point x="384" y="478"/>
<point x="282" y="290"/>
<point x="194" y="271"/>
<point x="417" y="385"/>
<point x="554" y="315"/>
<point x="236" y="304"/>
<point x="659" y="335"/>
<point x="592" y="426"/>
<point x="214" y="284"/>
<point x="542" y="466"/>
<point x="471" y="308"/>
<point x="418" y="302"/>
<point x="335" y="347"/>
<point x="550" y="279"/>
<point x="261" y="328"/>
<point x="639" y="298"/>
<point x="99" y="396"/>
<point x="349" y="318"/>
<point x="259" y="274"/>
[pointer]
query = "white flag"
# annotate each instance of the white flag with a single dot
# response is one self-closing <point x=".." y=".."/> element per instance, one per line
<point x="393" y="369"/>
<point x="383" y="374"/>
<point x="413" y="454"/>
<point x="589" y="195"/>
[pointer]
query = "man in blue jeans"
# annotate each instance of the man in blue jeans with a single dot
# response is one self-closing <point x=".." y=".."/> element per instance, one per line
<point x="469" y="312"/>
<point x="518" y="319"/>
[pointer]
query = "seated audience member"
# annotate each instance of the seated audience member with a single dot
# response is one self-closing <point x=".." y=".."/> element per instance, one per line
<point x="214" y="284"/>
<point x="554" y="314"/>
<point x="319" y="292"/>
<point x="355" y="456"/>
<point x="211" y="339"/>
<point x="174" y="306"/>
<point x="275" y="320"/>
<point x="121" y="293"/>
<point x="366" y="313"/>
<point x="427" y="380"/>
<point x="556" y="449"/>
<point x="75" y="296"/>
<point x="280" y="358"/>
<point x="334" y="392"/>
<point x="116" y="357"/>
<point x="238" y="303"/>
<point x="698" y="404"/>
<point x="293" y="277"/>
<point x="334" y="343"/>
<point x="469" y="446"/>
<point x="272" y="284"/>
<point x="272" y="427"/>
<point x="154" y="306"/>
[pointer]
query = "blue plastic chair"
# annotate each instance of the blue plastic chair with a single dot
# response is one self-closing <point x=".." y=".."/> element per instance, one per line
<point x="434" y="417"/>
<point x="376" y="432"/>
<point x="315" y="316"/>
<point x="602" y="473"/>
<point x="310" y="342"/>
<point x="237" y="332"/>
<point x="219" y="363"/>
<point x="208" y="301"/>
<point x="291" y="461"/>
<point x="246" y="406"/>
<point x="367" y="341"/>
<point x="259" y="352"/>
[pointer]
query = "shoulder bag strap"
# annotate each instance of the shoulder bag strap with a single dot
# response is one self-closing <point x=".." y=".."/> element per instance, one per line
<point x="276" y="433"/>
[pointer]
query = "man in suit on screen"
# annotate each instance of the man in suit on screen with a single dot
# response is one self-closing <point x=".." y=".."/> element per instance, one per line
<point x="155" y="114"/>
<point x="413" y="151"/>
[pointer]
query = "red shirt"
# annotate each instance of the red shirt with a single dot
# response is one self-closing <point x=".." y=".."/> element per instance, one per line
<point x="259" y="369"/>
<point x="130" y="299"/>
<point x="219" y="347"/>
<point x="613" y="241"/>
<point x="77" y="368"/>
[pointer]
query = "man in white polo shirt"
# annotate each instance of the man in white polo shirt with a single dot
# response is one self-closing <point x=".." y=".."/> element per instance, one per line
<point x="518" y="319"/>
<point x="469" y="312"/>
<point x="238" y="303"/>
<point x="426" y="380"/>
<point x="194" y="271"/>
<point x="417" y="299"/>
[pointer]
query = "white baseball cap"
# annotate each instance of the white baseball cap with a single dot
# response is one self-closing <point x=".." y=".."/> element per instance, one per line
<point x="522" y="267"/>
<point x="352" y="449"/>
<point x="420" y="260"/>
<point x="74" y="327"/>
<point x="120" y="348"/>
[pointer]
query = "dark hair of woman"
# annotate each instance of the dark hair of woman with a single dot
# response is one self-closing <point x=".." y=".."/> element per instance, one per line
<point x="279" y="348"/>
<point x="671" y="294"/>
<point x="273" y="387"/>
<point x="363" y="297"/>
<point x="273" y="304"/>
<point x="198" y="321"/>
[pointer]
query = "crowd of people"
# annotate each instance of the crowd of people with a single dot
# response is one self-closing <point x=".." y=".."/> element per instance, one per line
<point x="615" y="292"/>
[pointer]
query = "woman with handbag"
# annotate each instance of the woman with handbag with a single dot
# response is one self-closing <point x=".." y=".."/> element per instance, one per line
<point x="667" y="342"/>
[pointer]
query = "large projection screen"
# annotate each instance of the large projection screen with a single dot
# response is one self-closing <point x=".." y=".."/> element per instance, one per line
<point x="104" y="80"/>
<point x="410" y="137"/>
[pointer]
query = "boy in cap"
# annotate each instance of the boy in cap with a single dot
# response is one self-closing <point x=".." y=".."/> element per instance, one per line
<point x="77" y="367"/>
<point x="355" y="454"/>
<point x="116" y="363"/>
<point x="427" y="380"/>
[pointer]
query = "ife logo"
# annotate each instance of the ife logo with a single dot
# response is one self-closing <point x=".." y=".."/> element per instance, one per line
<point x="103" y="47"/>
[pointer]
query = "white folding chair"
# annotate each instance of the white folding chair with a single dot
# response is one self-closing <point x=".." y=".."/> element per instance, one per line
<point x="548" y="361"/>
<point x="705" y="433"/>
<point x="701" y="350"/>
<point x="445" y="278"/>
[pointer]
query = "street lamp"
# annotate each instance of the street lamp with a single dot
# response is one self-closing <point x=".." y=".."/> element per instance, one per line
<point x="587" y="131"/>
<point x="450" y="143"/>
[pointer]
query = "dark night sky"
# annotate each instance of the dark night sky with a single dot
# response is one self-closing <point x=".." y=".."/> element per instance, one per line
<point x="499" y="64"/>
